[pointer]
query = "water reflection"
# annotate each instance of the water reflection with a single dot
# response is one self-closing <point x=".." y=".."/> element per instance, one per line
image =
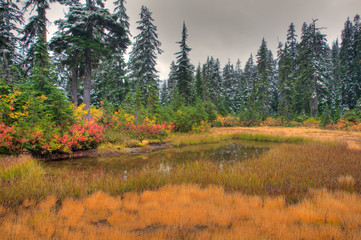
<point x="164" y="159"/>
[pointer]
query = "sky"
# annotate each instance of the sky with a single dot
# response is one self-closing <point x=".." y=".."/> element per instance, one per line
<point x="231" y="29"/>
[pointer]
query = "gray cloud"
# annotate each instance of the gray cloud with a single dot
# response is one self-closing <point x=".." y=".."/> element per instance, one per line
<point x="234" y="28"/>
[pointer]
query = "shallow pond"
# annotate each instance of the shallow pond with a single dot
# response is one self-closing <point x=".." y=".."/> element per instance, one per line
<point x="226" y="151"/>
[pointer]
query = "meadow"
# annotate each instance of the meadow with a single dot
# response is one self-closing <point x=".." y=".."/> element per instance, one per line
<point x="307" y="187"/>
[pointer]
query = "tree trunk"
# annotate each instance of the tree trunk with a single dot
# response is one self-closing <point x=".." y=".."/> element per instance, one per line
<point x="87" y="80"/>
<point x="6" y="68"/>
<point x="314" y="100"/>
<point x="74" y="85"/>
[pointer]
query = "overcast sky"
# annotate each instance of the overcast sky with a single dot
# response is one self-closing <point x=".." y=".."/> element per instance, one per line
<point x="232" y="29"/>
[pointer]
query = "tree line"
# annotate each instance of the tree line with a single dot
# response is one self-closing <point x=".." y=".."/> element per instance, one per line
<point x="85" y="60"/>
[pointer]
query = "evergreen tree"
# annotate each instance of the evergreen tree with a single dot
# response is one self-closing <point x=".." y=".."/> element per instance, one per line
<point x="143" y="57"/>
<point x="10" y="17"/>
<point x="274" y="87"/>
<point x="314" y="60"/>
<point x="172" y="84"/>
<point x="35" y="35"/>
<point x="231" y="87"/>
<point x="248" y="92"/>
<point x="110" y="83"/>
<point x="69" y="53"/>
<point x="239" y="75"/>
<point x="184" y="72"/>
<point x="213" y="80"/>
<point x="199" y="84"/>
<point x="121" y="12"/>
<point x="335" y="96"/>
<point x="347" y="71"/>
<point x="263" y="81"/>
<point x="357" y="62"/>
<point x="247" y="85"/>
<point x="287" y="66"/>
<point x="93" y="32"/>
<point x="292" y="41"/>
<point x="163" y="96"/>
<point x="286" y="83"/>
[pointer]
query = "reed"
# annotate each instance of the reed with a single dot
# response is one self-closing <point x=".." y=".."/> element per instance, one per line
<point x="187" y="212"/>
<point x="202" y="139"/>
<point x="288" y="169"/>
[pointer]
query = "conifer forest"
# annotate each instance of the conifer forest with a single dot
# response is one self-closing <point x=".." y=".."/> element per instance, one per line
<point x="215" y="151"/>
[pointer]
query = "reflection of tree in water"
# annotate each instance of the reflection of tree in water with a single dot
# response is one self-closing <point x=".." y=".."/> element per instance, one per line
<point x="233" y="152"/>
<point x="165" y="160"/>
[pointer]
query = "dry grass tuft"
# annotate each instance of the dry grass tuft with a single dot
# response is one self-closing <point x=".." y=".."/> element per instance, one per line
<point x="351" y="139"/>
<point x="188" y="212"/>
<point x="346" y="183"/>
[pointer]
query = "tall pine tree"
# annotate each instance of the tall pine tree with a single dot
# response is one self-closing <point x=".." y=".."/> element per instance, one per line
<point x="184" y="72"/>
<point x="143" y="57"/>
<point x="10" y="17"/>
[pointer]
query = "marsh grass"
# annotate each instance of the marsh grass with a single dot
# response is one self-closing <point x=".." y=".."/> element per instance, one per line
<point x="308" y="190"/>
<point x="202" y="139"/>
<point x="187" y="212"/>
<point x="288" y="170"/>
<point x="12" y="168"/>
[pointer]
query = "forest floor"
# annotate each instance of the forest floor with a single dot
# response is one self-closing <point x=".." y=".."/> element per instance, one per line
<point x="307" y="190"/>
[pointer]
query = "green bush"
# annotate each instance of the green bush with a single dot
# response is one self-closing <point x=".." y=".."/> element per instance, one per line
<point x="352" y="116"/>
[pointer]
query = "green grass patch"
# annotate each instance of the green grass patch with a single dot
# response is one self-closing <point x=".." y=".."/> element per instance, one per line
<point x="12" y="168"/>
<point x="199" y="139"/>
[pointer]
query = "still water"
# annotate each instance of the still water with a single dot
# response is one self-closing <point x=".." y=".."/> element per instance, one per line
<point x="226" y="151"/>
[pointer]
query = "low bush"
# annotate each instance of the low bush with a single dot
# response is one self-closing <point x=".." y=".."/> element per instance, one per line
<point x="228" y="121"/>
<point x="273" y="122"/>
<point x="201" y="127"/>
<point x="18" y="139"/>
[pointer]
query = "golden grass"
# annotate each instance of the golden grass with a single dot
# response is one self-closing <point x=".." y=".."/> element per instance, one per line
<point x="187" y="212"/>
<point x="269" y="197"/>
<point x="286" y="169"/>
<point x="351" y="139"/>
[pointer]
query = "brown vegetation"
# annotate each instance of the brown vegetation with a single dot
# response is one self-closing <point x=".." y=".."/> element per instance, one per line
<point x="307" y="190"/>
<point x="351" y="139"/>
<point x="287" y="169"/>
<point x="187" y="212"/>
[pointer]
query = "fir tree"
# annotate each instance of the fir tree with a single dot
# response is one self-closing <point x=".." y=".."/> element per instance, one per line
<point x="287" y="66"/>
<point x="199" y="84"/>
<point x="292" y="41"/>
<point x="248" y="92"/>
<point x="286" y="83"/>
<point x="213" y="81"/>
<point x="121" y="12"/>
<point x="184" y="73"/>
<point x="357" y="62"/>
<point x="263" y="81"/>
<point x="239" y="75"/>
<point x="231" y="86"/>
<point x="143" y="57"/>
<point x="274" y="87"/>
<point x="248" y="84"/>
<point x="314" y="60"/>
<point x="163" y="95"/>
<point x="172" y="84"/>
<point x="95" y="34"/>
<point x="347" y="63"/>
<point x="110" y="83"/>
<point x="35" y="35"/>
<point x="69" y="53"/>
<point x="335" y="96"/>
<point x="10" y="17"/>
